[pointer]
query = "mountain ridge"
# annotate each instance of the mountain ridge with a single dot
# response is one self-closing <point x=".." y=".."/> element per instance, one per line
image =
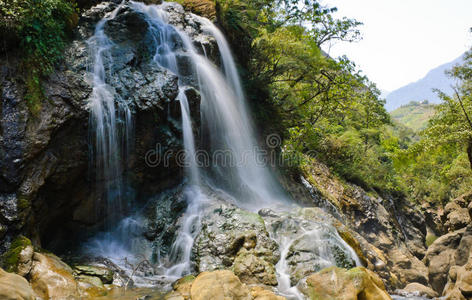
<point x="423" y="88"/>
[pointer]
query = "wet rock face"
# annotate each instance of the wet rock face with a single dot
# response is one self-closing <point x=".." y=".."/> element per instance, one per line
<point x="234" y="238"/>
<point x="310" y="240"/>
<point x="191" y="25"/>
<point x="44" y="158"/>
<point x="161" y="215"/>
<point x="390" y="232"/>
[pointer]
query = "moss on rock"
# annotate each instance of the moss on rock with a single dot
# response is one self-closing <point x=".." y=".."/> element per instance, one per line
<point x="11" y="258"/>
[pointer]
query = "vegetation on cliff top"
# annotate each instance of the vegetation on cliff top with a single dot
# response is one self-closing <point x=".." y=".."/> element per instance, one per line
<point x="39" y="28"/>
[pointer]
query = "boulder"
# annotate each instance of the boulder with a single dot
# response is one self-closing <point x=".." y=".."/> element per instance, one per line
<point x="407" y="267"/>
<point x="260" y="293"/>
<point x="14" y="287"/>
<point x="459" y="285"/>
<point x="465" y="247"/>
<point x="441" y="255"/>
<point x="52" y="279"/>
<point x="231" y="237"/>
<point x="464" y="199"/>
<point x="456" y="213"/>
<point x="252" y="269"/>
<point x="433" y="218"/>
<point x="340" y="284"/>
<point x="222" y="284"/>
<point x="457" y="219"/>
<point x="182" y="286"/>
<point x="219" y="285"/>
<point x="470" y="209"/>
<point x="459" y="279"/>
<point x="105" y="275"/>
<point x="415" y="289"/>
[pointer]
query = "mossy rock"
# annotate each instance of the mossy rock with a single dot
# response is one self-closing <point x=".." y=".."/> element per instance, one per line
<point x="10" y="258"/>
<point x="183" y="280"/>
<point x="23" y="203"/>
<point x="181" y="288"/>
<point x="355" y="245"/>
<point x="204" y="8"/>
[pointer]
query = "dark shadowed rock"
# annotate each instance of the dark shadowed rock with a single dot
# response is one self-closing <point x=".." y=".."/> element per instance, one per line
<point x="46" y="189"/>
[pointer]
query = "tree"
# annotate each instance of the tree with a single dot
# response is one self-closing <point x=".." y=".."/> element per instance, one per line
<point x="453" y="120"/>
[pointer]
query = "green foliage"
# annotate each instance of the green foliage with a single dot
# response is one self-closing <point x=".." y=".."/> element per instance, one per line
<point x="322" y="106"/>
<point x="40" y="27"/>
<point x="328" y="109"/>
<point x="434" y="175"/>
<point x="438" y="167"/>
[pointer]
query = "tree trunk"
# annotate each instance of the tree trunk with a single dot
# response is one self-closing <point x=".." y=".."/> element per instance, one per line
<point x="469" y="151"/>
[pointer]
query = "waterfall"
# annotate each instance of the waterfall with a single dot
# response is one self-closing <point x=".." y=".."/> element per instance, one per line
<point x="226" y="128"/>
<point x="182" y="246"/>
<point x="226" y="114"/>
<point x="226" y="119"/>
<point x="111" y="127"/>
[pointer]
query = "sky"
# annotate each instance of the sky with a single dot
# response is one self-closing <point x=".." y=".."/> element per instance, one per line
<point x="404" y="39"/>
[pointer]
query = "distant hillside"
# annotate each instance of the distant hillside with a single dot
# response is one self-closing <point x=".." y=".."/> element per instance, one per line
<point x="423" y="88"/>
<point x="414" y="115"/>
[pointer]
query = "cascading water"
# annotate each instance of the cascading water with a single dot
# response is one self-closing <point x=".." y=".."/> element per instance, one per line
<point x="226" y="114"/>
<point x="227" y="129"/>
<point x="111" y="126"/>
<point x="182" y="246"/>
<point x="321" y="244"/>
